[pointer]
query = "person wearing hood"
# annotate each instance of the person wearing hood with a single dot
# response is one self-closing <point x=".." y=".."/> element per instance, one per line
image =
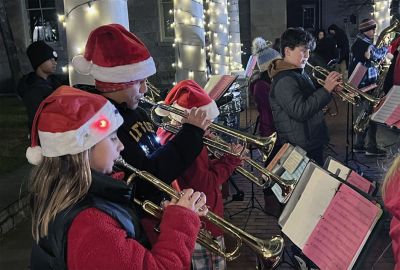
<point x="391" y="200"/>
<point x="37" y="85"/>
<point x="342" y="43"/>
<point x="295" y="102"/>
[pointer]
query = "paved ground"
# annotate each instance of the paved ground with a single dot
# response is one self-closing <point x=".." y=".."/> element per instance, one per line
<point x="14" y="246"/>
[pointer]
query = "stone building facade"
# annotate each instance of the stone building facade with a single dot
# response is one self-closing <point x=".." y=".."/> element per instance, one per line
<point x="266" y="18"/>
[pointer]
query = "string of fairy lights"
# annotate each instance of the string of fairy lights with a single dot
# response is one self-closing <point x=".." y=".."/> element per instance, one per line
<point x="90" y="10"/>
<point x="206" y="42"/>
<point x="381" y="14"/>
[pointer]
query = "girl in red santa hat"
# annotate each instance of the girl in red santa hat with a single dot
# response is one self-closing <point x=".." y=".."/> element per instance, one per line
<point x="205" y="174"/>
<point x="391" y="199"/>
<point x="82" y="218"/>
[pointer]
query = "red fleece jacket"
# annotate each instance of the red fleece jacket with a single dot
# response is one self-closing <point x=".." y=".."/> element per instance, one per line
<point x="392" y="203"/>
<point x="207" y="176"/>
<point x="97" y="241"/>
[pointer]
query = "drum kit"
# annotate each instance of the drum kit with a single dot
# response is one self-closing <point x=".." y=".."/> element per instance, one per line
<point x="229" y="111"/>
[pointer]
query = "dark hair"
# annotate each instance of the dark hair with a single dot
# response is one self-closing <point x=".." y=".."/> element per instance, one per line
<point x="295" y="37"/>
<point x="320" y="31"/>
<point x="333" y="27"/>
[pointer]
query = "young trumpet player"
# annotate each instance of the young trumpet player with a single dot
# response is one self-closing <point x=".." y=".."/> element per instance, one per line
<point x="82" y="216"/>
<point x="120" y="64"/>
<point x="295" y="102"/>
<point x="205" y="174"/>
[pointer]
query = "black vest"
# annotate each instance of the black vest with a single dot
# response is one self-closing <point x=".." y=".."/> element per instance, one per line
<point x="106" y="194"/>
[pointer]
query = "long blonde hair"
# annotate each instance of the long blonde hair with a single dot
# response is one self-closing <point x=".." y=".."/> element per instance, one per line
<point x="390" y="175"/>
<point x="56" y="184"/>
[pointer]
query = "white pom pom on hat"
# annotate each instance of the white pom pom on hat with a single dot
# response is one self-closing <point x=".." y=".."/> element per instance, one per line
<point x="81" y="65"/>
<point x="34" y="155"/>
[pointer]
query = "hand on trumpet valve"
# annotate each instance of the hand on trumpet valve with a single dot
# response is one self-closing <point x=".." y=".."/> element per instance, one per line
<point x="332" y="82"/>
<point x="198" y="118"/>
<point x="195" y="201"/>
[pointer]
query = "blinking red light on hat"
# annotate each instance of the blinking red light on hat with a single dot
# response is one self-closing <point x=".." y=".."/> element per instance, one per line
<point x="101" y="125"/>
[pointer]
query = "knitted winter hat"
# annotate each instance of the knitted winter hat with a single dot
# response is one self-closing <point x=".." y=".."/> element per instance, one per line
<point x="115" y="58"/>
<point x="70" y="121"/>
<point x="366" y="25"/>
<point x="186" y="95"/>
<point x="264" y="54"/>
<point x="39" y="52"/>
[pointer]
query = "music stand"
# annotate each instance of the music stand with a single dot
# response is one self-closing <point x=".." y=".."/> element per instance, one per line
<point x="350" y="141"/>
<point x="354" y="80"/>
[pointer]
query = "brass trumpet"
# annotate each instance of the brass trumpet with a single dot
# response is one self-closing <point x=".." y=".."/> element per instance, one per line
<point x="350" y="93"/>
<point x="217" y="145"/>
<point x="264" y="144"/>
<point x="268" y="251"/>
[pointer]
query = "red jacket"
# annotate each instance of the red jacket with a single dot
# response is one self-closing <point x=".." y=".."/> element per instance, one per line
<point x="207" y="176"/>
<point x="97" y="241"/>
<point x="392" y="203"/>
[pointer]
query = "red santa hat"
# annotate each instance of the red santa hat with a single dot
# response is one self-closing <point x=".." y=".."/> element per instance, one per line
<point x="186" y="95"/>
<point x="115" y="58"/>
<point x="70" y="121"/>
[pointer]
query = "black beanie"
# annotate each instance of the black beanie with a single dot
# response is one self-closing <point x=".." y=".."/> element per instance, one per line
<point x="39" y="52"/>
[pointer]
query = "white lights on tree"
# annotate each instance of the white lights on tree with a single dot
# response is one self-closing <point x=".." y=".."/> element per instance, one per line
<point x="218" y="36"/>
<point x="235" y="50"/>
<point x="81" y="17"/>
<point x="190" y="57"/>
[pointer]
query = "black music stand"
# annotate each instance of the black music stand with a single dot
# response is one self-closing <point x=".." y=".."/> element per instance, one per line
<point x="253" y="200"/>
<point x="350" y="140"/>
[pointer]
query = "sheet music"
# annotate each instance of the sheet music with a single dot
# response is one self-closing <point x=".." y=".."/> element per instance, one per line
<point x="357" y="180"/>
<point x="217" y="85"/>
<point x="294" y="159"/>
<point x="251" y="63"/>
<point x="389" y="106"/>
<point x="340" y="234"/>
<point x="394" y="117"/>
<point x="337" y="168"/>
<point x="289" y="176"/>
<point x="314" y="200"/>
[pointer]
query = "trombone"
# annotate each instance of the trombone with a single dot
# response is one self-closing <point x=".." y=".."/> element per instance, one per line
<point x="350" y="93"/>
<point x="269" y="251"/>
<point x="264" y="144"/>
<point x="217" y="145"/>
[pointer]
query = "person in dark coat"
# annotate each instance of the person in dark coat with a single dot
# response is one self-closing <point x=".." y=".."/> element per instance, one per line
<point x="364" y="52"/>
<point x="296" y="103"/>
<point x="35" y="86"/>
<point x="325" y="47"/>
<point x="342" y="43"/>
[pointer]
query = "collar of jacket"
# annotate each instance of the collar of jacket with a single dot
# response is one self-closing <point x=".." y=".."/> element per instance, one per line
<point x="364" y="38"/>
<point x="279" y="65"/>
<point x="110" y="189"/>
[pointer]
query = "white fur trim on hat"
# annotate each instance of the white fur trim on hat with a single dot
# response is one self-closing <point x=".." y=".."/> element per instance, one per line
<point x="34" y="155"/>
<point x="117" y="74"/>
<point x="81" y="65"/>
<point x="76" y="141"/>
<point x="211" y="109"/>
